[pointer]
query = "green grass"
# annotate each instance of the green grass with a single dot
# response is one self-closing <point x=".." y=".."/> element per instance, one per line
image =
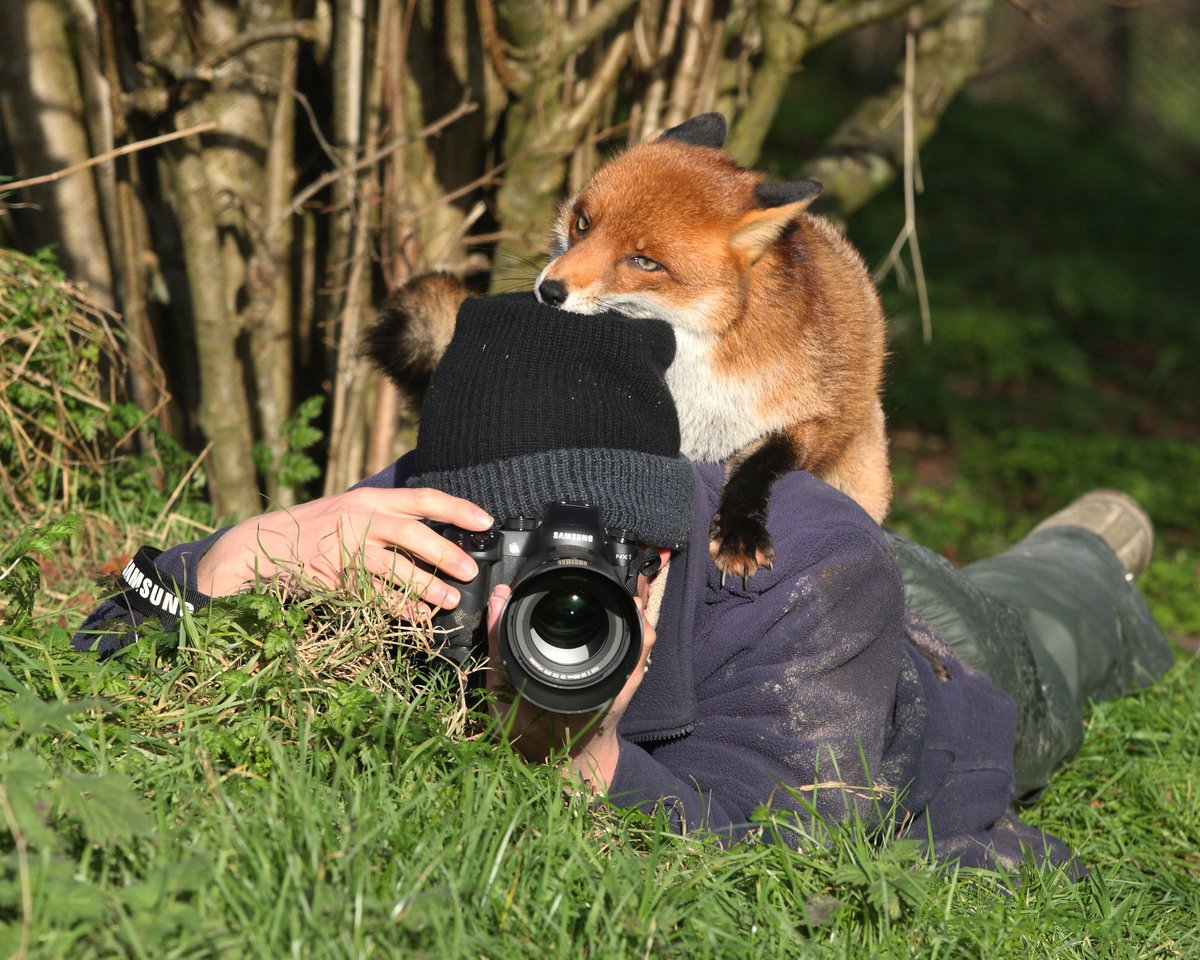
<point x="240" y="795"/>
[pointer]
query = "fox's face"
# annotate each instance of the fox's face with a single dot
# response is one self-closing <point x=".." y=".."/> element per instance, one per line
<point x="667" y="231"/>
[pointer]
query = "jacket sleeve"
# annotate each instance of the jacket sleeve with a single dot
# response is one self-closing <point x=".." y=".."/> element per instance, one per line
<point x="798" y="679"/>
<point x="113" y="624"/>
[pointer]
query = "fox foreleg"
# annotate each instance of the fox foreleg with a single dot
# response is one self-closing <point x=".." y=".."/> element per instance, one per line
<point x="739" y="543"/>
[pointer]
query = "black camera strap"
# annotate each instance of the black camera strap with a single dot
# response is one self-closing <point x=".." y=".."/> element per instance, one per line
<point x="144" y="590"/>
<point x="646" y="560"/>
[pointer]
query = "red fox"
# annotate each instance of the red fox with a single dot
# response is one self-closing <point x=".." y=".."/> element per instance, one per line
<point x="780" y="332"/>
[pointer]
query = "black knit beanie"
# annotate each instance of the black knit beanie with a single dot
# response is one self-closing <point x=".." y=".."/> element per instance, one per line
<point x="532" y="405"/>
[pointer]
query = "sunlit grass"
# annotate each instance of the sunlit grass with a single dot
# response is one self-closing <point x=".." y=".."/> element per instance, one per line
<point x="261" y="802"/>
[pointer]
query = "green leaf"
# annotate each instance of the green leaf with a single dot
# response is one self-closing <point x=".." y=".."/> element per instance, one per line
<point x="265" y="607"/>
<point x="34" y="715"/>
<point x="20" y="575"/>
<point x="278" y="643"/>
<point x="106" y="806"/>
<point x="27" y="785"/>
<point x="820" y="908"/>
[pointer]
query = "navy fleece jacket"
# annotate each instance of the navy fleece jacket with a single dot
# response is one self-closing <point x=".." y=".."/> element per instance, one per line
<point x="777" y="692"/>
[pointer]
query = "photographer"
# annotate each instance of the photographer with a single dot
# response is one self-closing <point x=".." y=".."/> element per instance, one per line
<point x="814" y="685"/>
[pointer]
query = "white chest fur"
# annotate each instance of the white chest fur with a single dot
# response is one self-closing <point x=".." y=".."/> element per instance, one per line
<point x="718" y="414"/>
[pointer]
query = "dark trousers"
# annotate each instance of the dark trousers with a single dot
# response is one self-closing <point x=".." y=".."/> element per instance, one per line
<point x="1054" y="621"/>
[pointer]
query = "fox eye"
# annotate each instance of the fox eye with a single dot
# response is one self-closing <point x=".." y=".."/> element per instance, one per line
<point x="582" y="224"/>
<point x="645" y="263"/>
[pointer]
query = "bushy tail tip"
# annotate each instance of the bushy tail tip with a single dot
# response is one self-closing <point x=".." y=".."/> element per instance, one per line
<point x="413" y="329"/>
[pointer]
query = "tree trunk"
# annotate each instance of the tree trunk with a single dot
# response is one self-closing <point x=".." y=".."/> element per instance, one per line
<point x="223" y="411"/>
<point x="542" y="126"/>
<point x="345" y="275"/>
<point x="42" y="109"/>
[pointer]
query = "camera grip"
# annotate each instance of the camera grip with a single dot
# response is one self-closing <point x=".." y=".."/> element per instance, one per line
<point x="463" y="630"/>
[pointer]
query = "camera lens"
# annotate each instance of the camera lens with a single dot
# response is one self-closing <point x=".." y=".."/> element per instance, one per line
<point x="570" y="634"/>
<point x="570" y="619"/>
<point x="569" y="638"/>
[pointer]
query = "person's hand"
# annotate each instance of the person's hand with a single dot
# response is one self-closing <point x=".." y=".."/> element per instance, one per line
<point x="379" y="531"/>
<point x="590" y="739"/>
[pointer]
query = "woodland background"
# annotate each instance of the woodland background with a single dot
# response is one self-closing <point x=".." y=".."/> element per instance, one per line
<point x="323" y="151"/>
<point x="222" y="193"/>
<point x="320" y="152"/>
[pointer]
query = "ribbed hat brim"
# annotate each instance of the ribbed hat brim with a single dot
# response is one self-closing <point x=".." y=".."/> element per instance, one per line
<point x="649" y="496"/>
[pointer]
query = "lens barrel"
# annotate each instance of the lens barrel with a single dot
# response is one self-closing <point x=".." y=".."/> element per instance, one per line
<point x="570" y="634"/>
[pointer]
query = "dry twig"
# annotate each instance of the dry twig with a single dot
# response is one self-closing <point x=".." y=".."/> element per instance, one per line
<point x="908" y="233"/>
<point x="109" y="155"/>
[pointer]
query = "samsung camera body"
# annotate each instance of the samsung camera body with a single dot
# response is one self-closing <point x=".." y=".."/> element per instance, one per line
<point x="569" y="635"/>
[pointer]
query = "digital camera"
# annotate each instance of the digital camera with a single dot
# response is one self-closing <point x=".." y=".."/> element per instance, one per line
<point x="570" y="635"/>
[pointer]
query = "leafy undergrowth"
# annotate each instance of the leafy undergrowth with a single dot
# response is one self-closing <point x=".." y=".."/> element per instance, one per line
<point x="245" y="786"/>
<point x="1058" y="258"/>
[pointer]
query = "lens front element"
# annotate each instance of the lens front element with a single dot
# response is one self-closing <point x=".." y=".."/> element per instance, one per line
<point x="571" y="621"/>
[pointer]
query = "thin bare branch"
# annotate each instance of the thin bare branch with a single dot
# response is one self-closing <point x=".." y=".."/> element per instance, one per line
<point x="598" y="19"/>
<point x="656" y="92"/>
<point x="908" y="233"/>
<point x="835" y="19"/>
<point x="599" y="86"/>
<point x="109" y="155"/>
<point x="688" y="70"/>
<point x="485" y="179"/>
<point x="179" y="487"/>
<point x="263" y="33"/>
<point x="493" y="46"/>
<point x="301" y="198"/>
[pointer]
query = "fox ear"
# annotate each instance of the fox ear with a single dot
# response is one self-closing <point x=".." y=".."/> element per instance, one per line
<point x="758" y="229"/>
<point x="777" y="194"/>
<point x="706" y="130"/>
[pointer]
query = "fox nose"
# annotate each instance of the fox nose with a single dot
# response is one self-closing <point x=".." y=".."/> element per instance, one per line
<point x="552" y="292"/>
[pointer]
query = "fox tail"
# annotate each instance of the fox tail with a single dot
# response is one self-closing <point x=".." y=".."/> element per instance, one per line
<point x="413" y="330"/>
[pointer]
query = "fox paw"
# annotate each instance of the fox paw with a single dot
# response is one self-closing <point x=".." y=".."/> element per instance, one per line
<point x="740" y="546"/>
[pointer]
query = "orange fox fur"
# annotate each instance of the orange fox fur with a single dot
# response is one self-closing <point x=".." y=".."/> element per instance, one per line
<point x="780" y="333"/>
<point x="779" y="327"/>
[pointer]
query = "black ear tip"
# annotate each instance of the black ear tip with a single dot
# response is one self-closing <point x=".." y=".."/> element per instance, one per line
<point x="781" y="194"/>
<point x="706" y="130"/>
<point x="711" y="121"/>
